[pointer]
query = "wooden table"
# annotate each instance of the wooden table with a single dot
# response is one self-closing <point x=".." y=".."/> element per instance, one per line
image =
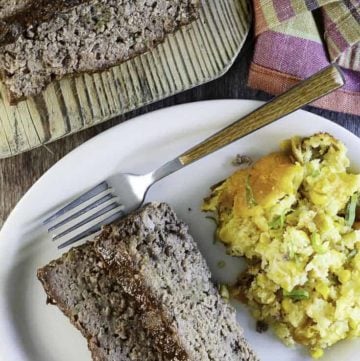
<point x="17" y="174"/>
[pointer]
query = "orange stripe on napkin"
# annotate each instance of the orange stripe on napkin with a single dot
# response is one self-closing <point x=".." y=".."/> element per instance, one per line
<point x="275" y="82"/>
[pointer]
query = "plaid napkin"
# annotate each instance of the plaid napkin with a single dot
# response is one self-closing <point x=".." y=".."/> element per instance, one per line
<point x="293" y="42"/>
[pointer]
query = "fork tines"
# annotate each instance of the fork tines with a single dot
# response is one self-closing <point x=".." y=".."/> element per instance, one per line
<point x="85" y="215"/>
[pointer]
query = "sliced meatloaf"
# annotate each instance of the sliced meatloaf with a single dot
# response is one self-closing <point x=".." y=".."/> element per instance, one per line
<point x="16" y="15"/>
<point x="88" y="38"/>
<point x="88" y="293"/>
<point x="161" y="273"/>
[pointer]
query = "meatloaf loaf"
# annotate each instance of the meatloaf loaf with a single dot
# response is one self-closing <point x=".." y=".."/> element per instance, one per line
<point x="144" y="286"/>
<point x="88" y="38"/>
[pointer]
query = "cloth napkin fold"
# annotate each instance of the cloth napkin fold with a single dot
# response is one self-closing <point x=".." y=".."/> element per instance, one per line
<point x="293" y="42"/>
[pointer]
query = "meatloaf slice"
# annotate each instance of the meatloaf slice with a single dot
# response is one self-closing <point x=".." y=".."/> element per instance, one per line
<point x="16" y="15"/>
<point x="88" y="38"/>
<point x="82" y="286"/>
<point x="150" y="264"/>
<point x="166" y="258"/>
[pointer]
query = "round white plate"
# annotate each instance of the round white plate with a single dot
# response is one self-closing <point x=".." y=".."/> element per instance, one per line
<point x="32" y="331"/>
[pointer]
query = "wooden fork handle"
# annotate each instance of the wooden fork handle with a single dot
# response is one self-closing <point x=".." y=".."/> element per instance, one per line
<point x="305" y="92"/>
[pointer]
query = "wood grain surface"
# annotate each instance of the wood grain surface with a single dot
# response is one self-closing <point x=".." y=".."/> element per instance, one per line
<point x="18" y="173"/>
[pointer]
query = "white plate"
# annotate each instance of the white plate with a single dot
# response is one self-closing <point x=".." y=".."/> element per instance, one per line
<point x="32" y="331"/>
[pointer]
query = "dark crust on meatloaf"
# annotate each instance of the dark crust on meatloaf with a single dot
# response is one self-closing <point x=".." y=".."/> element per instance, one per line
<point x="153" y="317"/>
<point x="155" y="320"/>
<point x="43" y="275"/>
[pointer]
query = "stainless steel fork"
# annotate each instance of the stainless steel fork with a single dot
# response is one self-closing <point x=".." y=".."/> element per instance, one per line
<point x="123" y="193"/>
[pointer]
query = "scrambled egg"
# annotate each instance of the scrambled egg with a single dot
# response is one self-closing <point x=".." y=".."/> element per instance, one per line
<point x="294" y="215"/>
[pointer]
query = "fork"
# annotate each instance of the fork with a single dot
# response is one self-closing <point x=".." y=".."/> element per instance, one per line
<point x="122" y="193"/>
